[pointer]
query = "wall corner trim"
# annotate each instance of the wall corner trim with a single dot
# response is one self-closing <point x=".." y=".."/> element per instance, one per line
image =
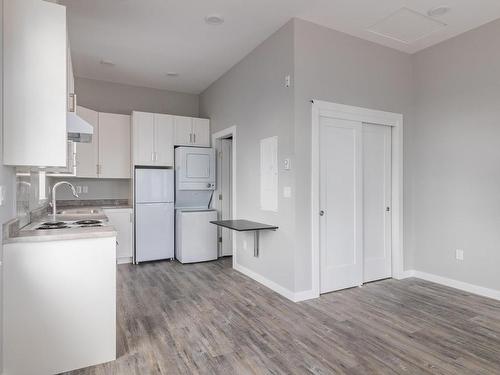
<point x="292" y="296"/>
<point x="466" y="287"/>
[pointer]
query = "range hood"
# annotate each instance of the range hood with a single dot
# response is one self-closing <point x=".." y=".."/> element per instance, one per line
<point x="78" y="129"/>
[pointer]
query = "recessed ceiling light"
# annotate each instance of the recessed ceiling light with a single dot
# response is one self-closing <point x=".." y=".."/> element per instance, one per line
<point x="172" y="74"/>
<point x="438" y="11"/>
<point x="214" y="19"/>
<point x="107" y="62"/>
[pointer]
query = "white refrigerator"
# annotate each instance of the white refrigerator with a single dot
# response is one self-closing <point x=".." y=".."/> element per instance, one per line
<point x="154" y="214"/>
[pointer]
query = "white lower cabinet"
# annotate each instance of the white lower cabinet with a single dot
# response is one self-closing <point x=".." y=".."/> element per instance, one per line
<point x="59" y="305"/>
<point x="123" y="221"/>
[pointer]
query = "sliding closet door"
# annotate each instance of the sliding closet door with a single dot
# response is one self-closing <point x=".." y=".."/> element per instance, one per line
<point x="376" y="202"/>
<point x="341" y="255"/>
<point x="355" y="201"/>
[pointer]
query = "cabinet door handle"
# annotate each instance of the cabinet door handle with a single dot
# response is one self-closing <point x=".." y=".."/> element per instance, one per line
<point x="72" y="103"/>
<point x="152" y="156"/>
<point x="156" y="156"/>
<point x="190" y="137"/>
<point x="194" y="137"/>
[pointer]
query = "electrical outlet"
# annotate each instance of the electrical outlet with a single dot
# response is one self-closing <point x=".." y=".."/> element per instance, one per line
<point x="288" y="81"/>
<point x="287" y="164"/>
<point x="78" y="189"/>
<point x="459" y="254"/>
<point x="85" y="189"/>
<point x="287" y="192"/>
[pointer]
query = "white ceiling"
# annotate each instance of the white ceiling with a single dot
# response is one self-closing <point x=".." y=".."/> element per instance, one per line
<point x="145" y="39"/>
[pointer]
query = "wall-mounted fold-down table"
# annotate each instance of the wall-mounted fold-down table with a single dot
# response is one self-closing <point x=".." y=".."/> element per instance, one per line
<point x="246" y="226"/>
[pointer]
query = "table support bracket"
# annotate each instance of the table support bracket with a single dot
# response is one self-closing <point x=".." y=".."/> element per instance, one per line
<point x="256" y="243"/>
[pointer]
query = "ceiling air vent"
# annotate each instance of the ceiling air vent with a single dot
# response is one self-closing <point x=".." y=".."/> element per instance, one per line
<point x="406" y="26"/>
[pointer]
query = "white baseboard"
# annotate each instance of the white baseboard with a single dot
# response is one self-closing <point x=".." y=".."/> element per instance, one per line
<point x="305" y="295"/>
<point x="406" y="274"/>
<point x="471" y="288"/>
<point x="124" y="260"/>
<point x="292" y="296"/>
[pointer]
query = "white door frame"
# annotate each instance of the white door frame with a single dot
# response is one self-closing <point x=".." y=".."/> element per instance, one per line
<point x="228" y="132"/>
<point x="345" y="112"/>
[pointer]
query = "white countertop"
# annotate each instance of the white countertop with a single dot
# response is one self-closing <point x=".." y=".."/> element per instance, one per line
<point x="30" y="234"/>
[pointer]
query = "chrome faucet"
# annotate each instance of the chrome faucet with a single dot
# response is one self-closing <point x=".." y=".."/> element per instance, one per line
<point x="54" y="211"/>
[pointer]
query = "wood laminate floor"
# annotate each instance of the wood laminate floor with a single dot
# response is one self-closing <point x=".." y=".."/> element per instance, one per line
<point x="209" y="319"/>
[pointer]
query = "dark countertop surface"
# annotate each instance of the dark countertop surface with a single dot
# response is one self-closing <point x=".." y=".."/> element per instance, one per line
<point x="243" y="225"/>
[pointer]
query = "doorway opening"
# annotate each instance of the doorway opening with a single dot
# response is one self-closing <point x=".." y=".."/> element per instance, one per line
<point x="225" y="144"/>
<point x="357" y="196"/>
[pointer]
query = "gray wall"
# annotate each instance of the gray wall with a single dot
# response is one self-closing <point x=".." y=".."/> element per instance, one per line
<point x="325" y="65"/>
<point x="339" y="68"/>
<point x="7" y="180"/>
<point x="457" y="173"/>
<point x="117" y="98"/>
<point x="252" y="96"/>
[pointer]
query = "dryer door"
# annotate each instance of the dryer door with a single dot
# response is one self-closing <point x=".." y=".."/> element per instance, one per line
<point x="195" y="168"/>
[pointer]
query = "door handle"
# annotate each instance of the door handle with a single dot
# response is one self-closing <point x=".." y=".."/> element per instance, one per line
<point x="322" y="213"/>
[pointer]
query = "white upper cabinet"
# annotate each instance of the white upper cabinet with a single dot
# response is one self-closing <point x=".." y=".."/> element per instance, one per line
<point x="143" y="138"/>
<point x="191" y="131"/>
<point x="164" y="140"/>
<point x="35" y="83"/>
<point x="152" y="139"/>
<point x="87" y="154"/>
<point x="183" y="130"/>
<point x="114" y="146"/>
<point x="201" y="132"/>
<point x="108" y="155"/>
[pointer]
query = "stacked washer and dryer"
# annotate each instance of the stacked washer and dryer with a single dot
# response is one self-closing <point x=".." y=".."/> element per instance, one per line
<point x="195" y="237"/>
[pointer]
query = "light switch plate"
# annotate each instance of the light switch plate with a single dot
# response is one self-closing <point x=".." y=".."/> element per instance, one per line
<point x="287" y="192"/>
<point x="459" y="254"/>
